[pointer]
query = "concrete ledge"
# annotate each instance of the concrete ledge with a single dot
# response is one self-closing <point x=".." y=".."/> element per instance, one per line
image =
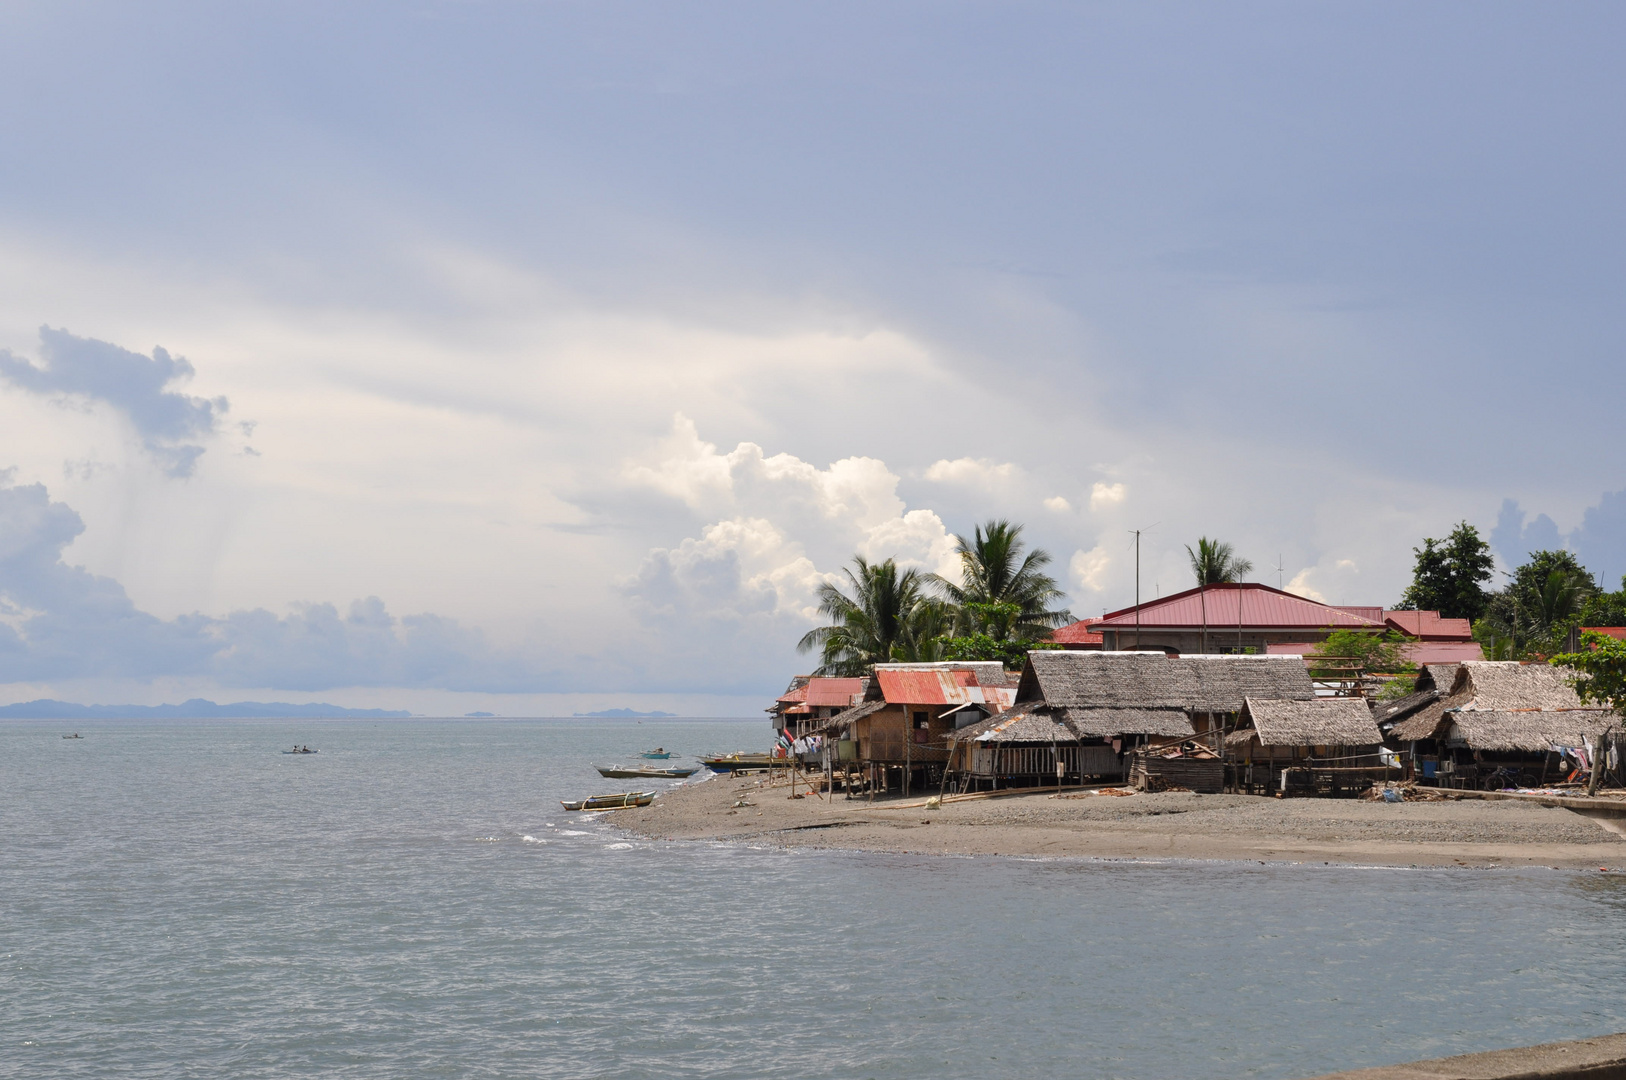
<point x="1603" y="1058"/>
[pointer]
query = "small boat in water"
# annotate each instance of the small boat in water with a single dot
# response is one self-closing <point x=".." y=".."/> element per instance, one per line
<point x="742" y="762"/>
<point x="75" y="735"/>
<point x="616" y="772"/>
<point x="659" y="752"/>
<point x="300" y="750"/>
<point x="611" y="802"/>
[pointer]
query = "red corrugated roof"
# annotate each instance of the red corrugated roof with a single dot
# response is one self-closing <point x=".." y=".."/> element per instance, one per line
<point x="1365" y="612"/>
<point x="825" y="692"/>
<point x="1259" y="607"/>
<point x="1610" y="631"/>
<point x="1078" y="633"/>
<point x="1428" y="626"/>
<point x="939" y="686"/>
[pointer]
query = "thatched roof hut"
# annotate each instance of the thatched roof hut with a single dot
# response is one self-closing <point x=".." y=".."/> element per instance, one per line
<point x="1321" y="722"/>
<point x="1535" y="731"/>
<point x="1527" y="700"/>
<point x="1389" y="713"/>
<point x="1033" y="723"/>
<point x="1146" y="680"/>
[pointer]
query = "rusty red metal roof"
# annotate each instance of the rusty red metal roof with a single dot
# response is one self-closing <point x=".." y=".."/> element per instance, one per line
<point x="940" y="686"/>
<point x="1428" y="626"/>
<point x="1258" y="607"/>
<point x="1607" y="631"/>
<point x="1078" y="633"/>
<point x="826" y="692"/>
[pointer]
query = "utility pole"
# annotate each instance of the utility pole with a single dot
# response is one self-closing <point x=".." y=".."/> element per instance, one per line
<point x="1137" y="533"/>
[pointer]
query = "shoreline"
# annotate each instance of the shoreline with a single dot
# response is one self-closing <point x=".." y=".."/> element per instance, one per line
<point x="1168" y="825"/>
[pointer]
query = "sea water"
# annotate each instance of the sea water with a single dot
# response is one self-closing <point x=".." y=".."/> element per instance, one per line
<point x="183" y="900"/>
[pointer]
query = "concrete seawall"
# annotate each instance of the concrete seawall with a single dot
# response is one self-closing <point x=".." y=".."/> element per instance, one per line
<point x="1603" y="1058"/>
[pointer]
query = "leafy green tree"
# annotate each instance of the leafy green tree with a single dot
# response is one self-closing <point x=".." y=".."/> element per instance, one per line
<point x="1605" y="608"/>
<point x="1216" y="563"/>
<point x="1449" y="575"/>
<point x="1544" y="599"/>
<point x="1378" y="653"/>
<point x="1013" y="654"/>
<point x="1602" y="667"/>
<point x="995" y="573"/>
<point x="881" y="620"/>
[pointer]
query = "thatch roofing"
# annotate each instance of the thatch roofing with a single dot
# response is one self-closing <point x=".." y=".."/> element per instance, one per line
<point x="1392" y="712"/>
<point x="1510" y="684"/>
<point x="1041" y="722"/>
<point x="1539" y="695"/>
<point x="1109" y="723"/>
<point x="1150" y="680"/>
<point x="1035" y="723"/>
<point x="1320" y="722"/>
<point x="1437" y="677"/>
<point x="1537" y="730"/>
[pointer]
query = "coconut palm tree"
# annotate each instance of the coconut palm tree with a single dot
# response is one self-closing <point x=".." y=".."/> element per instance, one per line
<point x="994" y="573"/>
<point x="1215" y="563"/>
<point x="884" y="619"/>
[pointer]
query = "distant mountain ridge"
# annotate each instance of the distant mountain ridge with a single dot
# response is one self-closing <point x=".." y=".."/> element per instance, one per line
<point x="623" y="714"/>
<point x="195" y="709"/>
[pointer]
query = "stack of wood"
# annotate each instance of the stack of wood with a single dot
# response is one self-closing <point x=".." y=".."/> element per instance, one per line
<point x="1191" y="766"/>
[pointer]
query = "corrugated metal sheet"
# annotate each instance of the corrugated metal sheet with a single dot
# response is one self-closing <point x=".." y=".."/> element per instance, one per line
<point x="1079" y="633"/>
<point x="941" y="686"/>
<point x="1259" y="607"/>
<point x="828" y="692"/>
<point x="1429" y="626"/>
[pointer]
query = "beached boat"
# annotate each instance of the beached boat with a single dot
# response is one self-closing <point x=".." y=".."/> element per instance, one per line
<point x="659" y="752"/>
<point x="742" y="762"/>
<point x="616" y="772"/>
<point x="611" y="802"/>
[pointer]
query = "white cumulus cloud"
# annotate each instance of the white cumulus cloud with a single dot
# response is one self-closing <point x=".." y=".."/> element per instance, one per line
<point x="1103" y="495"/>
<point x="1057" y="503"/>
<point x="1089" y="568"/>
<point x="980" y="472"/>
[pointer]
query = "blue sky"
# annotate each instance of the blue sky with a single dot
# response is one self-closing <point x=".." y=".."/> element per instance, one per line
<point x="533" y="356"/>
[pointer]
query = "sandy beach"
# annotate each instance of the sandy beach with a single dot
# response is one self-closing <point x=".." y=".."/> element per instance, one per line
<point x="1178" y="825"/>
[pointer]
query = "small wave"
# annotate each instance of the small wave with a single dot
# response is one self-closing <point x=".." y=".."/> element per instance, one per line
<point x="532" y="840"/>
<point x="573" y="832"/>
<point x="619" y="847"/>
<point x="488" y="840"/>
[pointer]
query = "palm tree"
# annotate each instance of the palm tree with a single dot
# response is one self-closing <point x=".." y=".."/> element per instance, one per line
<point x="1215" y="563"/>
<point x="994" y="573"/>
<point x="882" y="620"/>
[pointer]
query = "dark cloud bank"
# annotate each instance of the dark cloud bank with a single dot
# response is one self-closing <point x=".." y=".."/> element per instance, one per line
<point x="62" y="622"/>
<point x="1599" y="541"/>
<point x="136" y="386"/>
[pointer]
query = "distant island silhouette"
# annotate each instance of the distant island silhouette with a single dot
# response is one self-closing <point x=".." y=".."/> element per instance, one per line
<point x="623" y="714"/>
<point x="195" y="709"/>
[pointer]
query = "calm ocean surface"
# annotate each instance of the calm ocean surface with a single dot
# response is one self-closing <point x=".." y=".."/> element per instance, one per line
<point x="181" y="900"/>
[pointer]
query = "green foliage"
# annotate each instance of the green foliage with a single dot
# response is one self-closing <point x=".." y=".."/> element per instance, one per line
<point x="1002" y="593"/>
<point x="887" y="617"/>
<point x="1013" y="654"/>
<point x="1543" y="601"/>
<point x="1449" y="575"/>
<point x="1215" y="563"/>
<point x="1602" y="664"/>
<point x="1377" y="653"/>
<point x="1605" y="608"/>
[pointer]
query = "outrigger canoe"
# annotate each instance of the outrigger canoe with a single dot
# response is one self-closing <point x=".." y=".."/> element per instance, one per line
<point x="658" y="752"/>
<point x="743" y="762"/>
<point x="648" y="772"/>
<point x="611" y="802"/>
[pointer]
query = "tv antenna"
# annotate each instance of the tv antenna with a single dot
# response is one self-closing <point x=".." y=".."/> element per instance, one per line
<point x="1137" y="533"/>
<point x="1279" y="569"/>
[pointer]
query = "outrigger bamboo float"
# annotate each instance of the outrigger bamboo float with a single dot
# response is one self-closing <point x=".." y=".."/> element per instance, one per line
<point x="645" y="772"/>
<point x="611" y="802"/>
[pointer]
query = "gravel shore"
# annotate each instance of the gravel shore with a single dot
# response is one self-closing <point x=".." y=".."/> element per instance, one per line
<point x="1141" y="826"/>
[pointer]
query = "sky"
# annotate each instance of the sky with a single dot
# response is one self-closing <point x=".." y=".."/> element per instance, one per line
<point x="539" y="357"/>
